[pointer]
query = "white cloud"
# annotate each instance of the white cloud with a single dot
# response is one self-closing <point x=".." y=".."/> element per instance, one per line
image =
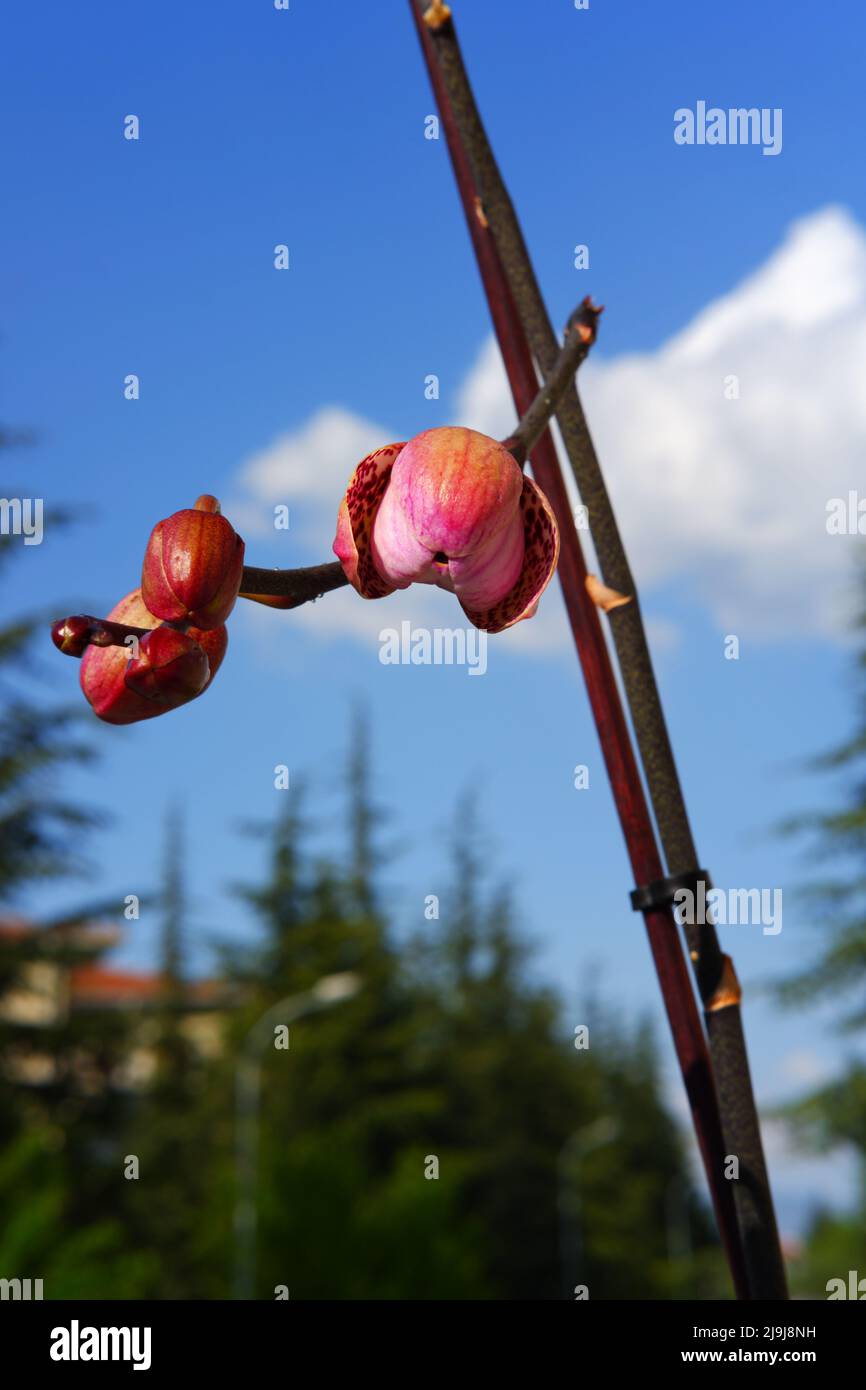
<point x="310" y="465"/>
<point x="725" y="498"/>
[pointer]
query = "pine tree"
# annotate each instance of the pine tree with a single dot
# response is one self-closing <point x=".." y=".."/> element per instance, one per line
<point x="564" y="1155"/>
<point x="834" y="1114"/>
<point x="59" y="1112"/>
<point x="341" y="1153"/>
<point x="838" y="901"/>
<point x="414" y="1141"/>
<point x="176" y="1207"/>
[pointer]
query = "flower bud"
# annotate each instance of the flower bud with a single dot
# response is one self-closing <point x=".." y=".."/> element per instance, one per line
<point x="193" y="567"/>
<point x="170" y="667"/>
<point x="70" y="635"/>
<point x="157" y="686"/>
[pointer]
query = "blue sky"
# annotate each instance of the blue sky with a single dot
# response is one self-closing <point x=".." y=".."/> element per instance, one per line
<point x="306" y="127"/>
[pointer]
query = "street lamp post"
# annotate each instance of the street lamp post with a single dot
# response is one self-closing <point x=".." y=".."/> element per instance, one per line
<point x="576" y="1148"/>
<point x="330" y="990"/>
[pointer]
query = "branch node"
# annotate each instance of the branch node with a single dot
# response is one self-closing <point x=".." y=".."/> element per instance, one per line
<point x="584" y="321"/>
<point x="438" y="14"/>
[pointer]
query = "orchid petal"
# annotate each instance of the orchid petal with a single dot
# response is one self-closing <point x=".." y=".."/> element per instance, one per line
<point x="541" y="547"/>
<point x="352" y="544"/>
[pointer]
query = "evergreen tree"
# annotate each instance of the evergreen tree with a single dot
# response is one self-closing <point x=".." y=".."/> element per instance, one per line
<point x="59" y="1112"/>
<point x="834" y="1114"/>
<point x="414" y="1140"/>
<point x="428" y="1132"/>
<point x="341" y="1101"/>
<point x="838" y="900"/>
<point x="566" y="1155"/>
<point x="176" y="1206"/>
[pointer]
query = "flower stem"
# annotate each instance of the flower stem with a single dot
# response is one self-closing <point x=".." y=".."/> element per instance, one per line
<point x="291" y="588"/>
<point x="75" y="634"/>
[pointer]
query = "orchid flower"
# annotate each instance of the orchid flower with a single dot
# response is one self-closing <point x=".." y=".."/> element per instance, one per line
<point x="451" y="507"/>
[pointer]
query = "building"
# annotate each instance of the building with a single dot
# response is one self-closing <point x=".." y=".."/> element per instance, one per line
<point x="50" y="975"/>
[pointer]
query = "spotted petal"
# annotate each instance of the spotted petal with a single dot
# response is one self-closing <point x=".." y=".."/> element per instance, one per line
<point x="352" y="544"/>
<point x="541" y="552"/>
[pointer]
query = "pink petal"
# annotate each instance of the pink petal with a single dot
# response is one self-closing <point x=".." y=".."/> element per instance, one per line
<point x="489" y="573"/>
<point x="456" y="488"/>
<point x="541" y="547"/>
<point x="398" y="554"/>
<point x="352" y="543"/>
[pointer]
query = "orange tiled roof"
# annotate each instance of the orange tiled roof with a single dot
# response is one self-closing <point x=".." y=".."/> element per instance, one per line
<point x="98" y="983"/>
<point x="94" y="984"/>
<point x="14" y="928"/>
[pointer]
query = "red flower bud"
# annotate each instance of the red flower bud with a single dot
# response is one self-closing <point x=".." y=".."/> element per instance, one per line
<point x="157" y="685"/>
<point x="193" y="566"/>
<point x="170" y="667"/>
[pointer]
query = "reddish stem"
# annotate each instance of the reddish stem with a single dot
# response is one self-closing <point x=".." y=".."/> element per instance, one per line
<point x="688" y="1036"/>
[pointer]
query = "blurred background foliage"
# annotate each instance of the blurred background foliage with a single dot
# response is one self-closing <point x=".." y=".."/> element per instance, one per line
<point x="556" y="1167"/>
<point x="834" y="1113"/>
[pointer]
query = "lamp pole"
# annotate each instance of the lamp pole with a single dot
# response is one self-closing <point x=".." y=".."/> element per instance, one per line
<point x="330" y="990"/>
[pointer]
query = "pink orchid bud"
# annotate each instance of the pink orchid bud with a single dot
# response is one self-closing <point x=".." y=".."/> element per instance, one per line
<point x="156" y="686"/>
<point x="450" y="508"/>
<point x="193" y="567"/>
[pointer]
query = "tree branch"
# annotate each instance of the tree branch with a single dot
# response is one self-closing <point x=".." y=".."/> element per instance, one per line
<point x="580" y="334"/>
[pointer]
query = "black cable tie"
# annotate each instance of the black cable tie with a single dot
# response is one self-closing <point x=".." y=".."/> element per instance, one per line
<point x="662" y="893"/>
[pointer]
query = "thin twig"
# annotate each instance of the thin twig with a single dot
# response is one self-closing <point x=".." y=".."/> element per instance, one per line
<point x="580" y="334"/>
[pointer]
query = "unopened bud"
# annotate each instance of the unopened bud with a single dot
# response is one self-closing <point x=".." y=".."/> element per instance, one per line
<point x="193" y="566"/>
<point x="170" y="667"/>
<point x="71" y="635"/>
<point x="156" y="687"/>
